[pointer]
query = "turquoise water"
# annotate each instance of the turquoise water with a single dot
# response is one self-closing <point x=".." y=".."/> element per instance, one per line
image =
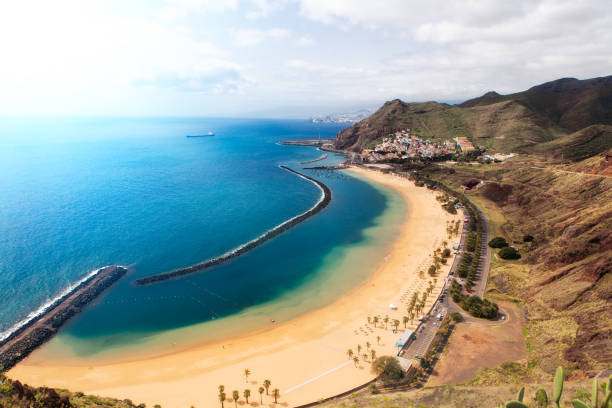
<point x="81" y="194"/>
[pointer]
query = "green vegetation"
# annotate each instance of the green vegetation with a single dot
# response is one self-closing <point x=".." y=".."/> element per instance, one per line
<point x="14" y="394"/>
<point x="474" y="305"/>
<point x="498" y="242"/>
<point x="456" y="316"/>
<point x="586" y="400"/>
<point x="387" y="369"/>
<point x="509" y="253"/>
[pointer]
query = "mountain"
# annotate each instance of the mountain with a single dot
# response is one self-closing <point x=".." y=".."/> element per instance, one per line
<point x="568" y="102"/>
<point x="525" y="122"/>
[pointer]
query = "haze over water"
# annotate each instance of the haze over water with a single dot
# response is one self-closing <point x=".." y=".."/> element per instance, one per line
<point x="78" y="194"/>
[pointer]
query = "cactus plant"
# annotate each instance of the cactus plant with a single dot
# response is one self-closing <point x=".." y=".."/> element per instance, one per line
<point x="593" y="397"/>
<point x="558" y="386"/>
<point x="520" y="395"/>
<point x="515" y="404"/>
<point x="541" y="398"/>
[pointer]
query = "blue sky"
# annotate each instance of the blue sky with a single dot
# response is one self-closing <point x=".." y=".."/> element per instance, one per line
<point x="286" y="58"/>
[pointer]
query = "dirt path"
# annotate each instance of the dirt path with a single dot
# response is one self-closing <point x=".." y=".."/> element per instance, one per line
<point x="473" y="346"/>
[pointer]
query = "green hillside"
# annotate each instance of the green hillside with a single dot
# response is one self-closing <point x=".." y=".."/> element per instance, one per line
<point x="538" y="120"/>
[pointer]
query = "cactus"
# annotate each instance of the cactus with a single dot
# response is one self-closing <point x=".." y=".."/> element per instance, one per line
<point x="594" y="393"/>
<point x="558" y="386"/>
<point x="520" y="395"/>
<point x="541" y="398"/>
<point x="594" y="396"/>
<point x="515" y="404"/>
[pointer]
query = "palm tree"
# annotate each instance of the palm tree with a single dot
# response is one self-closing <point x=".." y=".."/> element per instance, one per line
<point x="373" y="354"/>
<point x="350" y="353"/>
<point x="405" y="318"/>
<point x="235" y="396"/>
<point x="369" y="320"/>
<point x="267" y="384"/>
<point x="358" y="348"/>
<point x="365" y="356"/>
<point x="375" y="320"/>
<point x="247" y="372"/>
<point x="247" y="394"/>
<point x="276" y="394"/>
<point x="386" y="320"/>
<point x="396" y="323"/>
<point x="377" y="339"/>
<point x="261" y="391"/>
<point x="356" y="360"/>
<point x="221" y="388"/>
<point x="221" y="398"/>
<point x="368" y="345"/>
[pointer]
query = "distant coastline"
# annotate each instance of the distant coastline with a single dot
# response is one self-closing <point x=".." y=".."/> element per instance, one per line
<point x="241" y="250"/>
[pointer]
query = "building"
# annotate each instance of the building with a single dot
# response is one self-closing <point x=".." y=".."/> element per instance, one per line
<point x="405" y="338"/>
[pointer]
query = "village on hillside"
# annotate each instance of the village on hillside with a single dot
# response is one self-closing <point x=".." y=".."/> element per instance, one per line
<point x="404" y="145"/>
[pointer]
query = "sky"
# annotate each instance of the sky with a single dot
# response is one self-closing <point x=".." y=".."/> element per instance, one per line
<point x="286" y="58"/>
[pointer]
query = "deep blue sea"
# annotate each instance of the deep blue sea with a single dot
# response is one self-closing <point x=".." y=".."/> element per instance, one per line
<point x="79" y="194"/>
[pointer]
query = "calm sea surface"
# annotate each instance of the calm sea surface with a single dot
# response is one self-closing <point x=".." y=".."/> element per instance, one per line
<point x="78" y="194"/>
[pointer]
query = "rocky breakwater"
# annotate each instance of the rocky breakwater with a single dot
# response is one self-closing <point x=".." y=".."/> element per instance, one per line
<point x="244" y="248"/>
<point x="38" y="330"/>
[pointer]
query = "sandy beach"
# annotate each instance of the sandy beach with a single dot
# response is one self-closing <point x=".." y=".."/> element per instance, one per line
<point x="306" y="358"/>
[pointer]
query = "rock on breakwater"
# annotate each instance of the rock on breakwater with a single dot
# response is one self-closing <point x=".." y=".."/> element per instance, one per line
<point x="241" y="250"/>
<point x="38" y="330"/>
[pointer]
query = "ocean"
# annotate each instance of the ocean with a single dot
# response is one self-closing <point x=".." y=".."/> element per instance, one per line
<point x="79" y="194"/>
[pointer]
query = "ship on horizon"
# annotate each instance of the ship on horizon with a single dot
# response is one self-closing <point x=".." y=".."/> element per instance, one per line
<point x="206" y="135"/>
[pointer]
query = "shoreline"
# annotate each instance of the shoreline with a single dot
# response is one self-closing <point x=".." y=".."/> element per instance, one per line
<point x="305" y="357"/>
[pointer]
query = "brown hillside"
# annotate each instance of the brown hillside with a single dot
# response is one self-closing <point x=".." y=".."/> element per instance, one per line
<point x="564" y="277"/>
<point x="568" y="102"/>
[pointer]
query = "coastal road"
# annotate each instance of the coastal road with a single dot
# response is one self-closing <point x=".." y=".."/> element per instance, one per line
<point x="424" y="336"/>
<point x="485" y="256"/>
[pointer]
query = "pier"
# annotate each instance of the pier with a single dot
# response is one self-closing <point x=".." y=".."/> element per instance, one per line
<point x="243" y="249"/>
<point x="323" y="157"/>
<point x="19" y="344"/>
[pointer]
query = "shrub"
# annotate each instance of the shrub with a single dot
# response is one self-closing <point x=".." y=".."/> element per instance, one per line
<point x="432" y="270"/>
<point x="527" y="238"/>
<point x="387" y="369"/>
<point x="498" y="242"/>
<point x="509" y="253"/>
<point x="471" y="242"/>
<point x="446" y="253"/>
<point x="456" y="316"/>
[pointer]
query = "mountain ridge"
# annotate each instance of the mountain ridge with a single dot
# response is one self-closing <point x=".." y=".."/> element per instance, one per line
<point x="521" y="122"/>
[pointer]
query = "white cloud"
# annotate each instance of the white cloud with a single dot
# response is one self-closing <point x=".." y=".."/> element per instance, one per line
<point x="305" y="40"/>
<point x="244" y="37"/>
<point x="263" y="8"/>
<point x="455" y="49"/>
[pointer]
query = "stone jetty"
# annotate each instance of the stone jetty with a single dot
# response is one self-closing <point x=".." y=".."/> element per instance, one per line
<point x="243" y="249"/>
<point x="28" y="337"/>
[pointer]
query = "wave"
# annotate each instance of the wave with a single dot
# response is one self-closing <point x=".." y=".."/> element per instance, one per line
<point x="49" y="304"/>
<point x="323" y="201"/>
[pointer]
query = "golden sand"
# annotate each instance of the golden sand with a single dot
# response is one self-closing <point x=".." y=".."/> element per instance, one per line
<point x="306" y="358"/>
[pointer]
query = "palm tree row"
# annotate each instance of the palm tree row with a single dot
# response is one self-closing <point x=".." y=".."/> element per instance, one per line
<point x="247" y="392"/>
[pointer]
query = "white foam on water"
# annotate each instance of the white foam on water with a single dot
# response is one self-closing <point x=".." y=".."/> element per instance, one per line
<point x="47" y="305"/>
